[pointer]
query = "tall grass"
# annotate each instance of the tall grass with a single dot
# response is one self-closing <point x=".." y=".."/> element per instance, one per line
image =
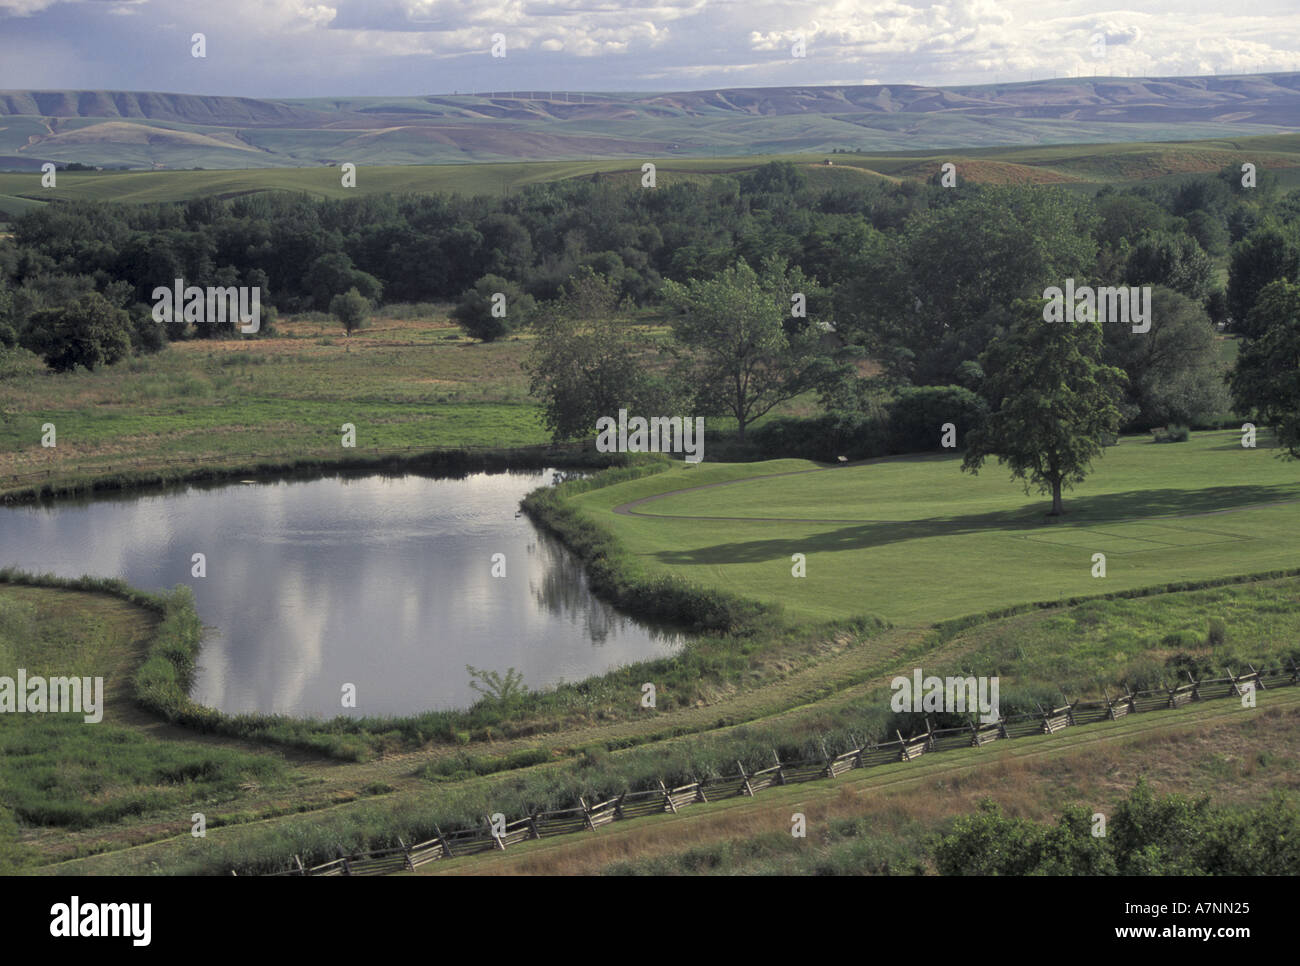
<point x="57" y="770"/>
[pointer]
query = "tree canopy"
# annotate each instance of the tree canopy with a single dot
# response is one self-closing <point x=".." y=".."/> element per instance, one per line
<point x="1054" y="403"/>
<point x="90" y="332"/>
<point x="745" y="352"/>
<point x="1266" y="380"/>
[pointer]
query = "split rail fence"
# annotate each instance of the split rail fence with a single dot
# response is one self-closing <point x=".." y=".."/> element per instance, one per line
<point x="590" y="816"/>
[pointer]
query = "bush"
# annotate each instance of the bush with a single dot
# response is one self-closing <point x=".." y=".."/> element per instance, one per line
<point x="917" y="416"/>
<point x="1173" y="433"/>
<point x="352" y="309"/>
<point x="855" y="436"/>
<point x="911" y="424"/>
<point x="493" y="308"/>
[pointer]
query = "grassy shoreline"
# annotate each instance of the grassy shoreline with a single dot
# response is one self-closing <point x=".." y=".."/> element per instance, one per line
<point x="528" y="776"/>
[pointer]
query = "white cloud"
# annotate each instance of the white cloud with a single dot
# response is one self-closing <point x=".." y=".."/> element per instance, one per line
<point x="24" y="8"/>
<point x="288" y="47"/>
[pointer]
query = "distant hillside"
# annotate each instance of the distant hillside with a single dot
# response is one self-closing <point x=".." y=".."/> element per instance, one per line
<point x="183" y="108"/>
<point x="160" y="130"/>
<point x="1081" y="167"/>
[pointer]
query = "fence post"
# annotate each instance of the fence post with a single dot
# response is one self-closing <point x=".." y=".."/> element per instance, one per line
<point x="1069" y="707"/>
<point x="668" y="799"/>
<point x="1110" y="705"/>
<point x="780" y="769"/>
<point x="347" y="869"/>
<point x="1259" y="678"/>
<point x="406" y="852"/>
<point x="745" y="787"/>
<point x="1173" y="694"/>
<point x="446" y="846"/>
<point x="699" y="792"/>
<point x="1047" y="718"/>
<point x="586" y="813"/>
<point x="532" y="824"/>
<point x="302" y="869"/>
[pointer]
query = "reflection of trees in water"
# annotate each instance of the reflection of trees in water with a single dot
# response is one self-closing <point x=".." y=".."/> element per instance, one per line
<point x="563" y="591"/>
<point x="564" y="476"/>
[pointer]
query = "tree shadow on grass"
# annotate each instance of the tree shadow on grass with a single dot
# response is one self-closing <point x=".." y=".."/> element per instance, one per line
<point x="1129" y="507"/>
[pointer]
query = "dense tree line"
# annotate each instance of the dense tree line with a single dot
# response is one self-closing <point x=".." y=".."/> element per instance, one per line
<point x="925" y="280"/>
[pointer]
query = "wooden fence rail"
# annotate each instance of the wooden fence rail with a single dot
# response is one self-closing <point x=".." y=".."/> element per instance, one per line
<point x="654" y="801"/>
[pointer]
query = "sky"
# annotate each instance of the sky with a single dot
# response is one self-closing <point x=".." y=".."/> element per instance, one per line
<point x="301" y="48"/>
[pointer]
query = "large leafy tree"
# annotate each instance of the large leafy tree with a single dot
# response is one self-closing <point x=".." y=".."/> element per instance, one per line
<point x="333" y="274"/>
<point x="1173" y="260"/>
<point x="745" y="354"/>
<point x="934" y="298"/>
<point x="1053" y="401"/>
<point x="589" y="361"/>
<point x="1126" y="217"/>
<point x="1266" y="379"/>
<point x="88" y="332"/>
<point x="1174" y="370"/>
<point x="1267" y="254"/>
<point x="8" y="328"/>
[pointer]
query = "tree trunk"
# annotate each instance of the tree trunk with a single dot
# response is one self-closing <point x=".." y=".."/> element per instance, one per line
<point x="1056" y="498"/>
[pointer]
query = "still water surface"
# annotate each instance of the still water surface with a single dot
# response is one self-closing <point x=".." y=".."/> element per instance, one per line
<point x="381" y="582"/>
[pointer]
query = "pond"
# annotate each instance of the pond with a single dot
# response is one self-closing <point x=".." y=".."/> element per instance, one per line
<point x="388" y="583"/>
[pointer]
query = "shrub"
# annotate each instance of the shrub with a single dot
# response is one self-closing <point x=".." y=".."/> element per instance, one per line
<point x="855" y="436"/>
<point x="352" y="309"/>
<point x="493" y="308"/>
<point x="1173" y="433"/>
<point x="917" y="415"/>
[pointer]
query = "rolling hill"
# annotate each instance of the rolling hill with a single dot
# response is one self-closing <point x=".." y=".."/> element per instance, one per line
<point x="1082" y="167"/>
<point x="166" y="130"/>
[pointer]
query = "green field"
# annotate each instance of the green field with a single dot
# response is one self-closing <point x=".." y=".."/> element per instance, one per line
<point x="1086" y="166"/>
<point x="915" y="539"/>
<point x="402" y="382"/>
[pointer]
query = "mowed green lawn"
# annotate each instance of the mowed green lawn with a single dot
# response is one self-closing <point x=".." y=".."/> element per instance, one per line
<point x="914" y="539"/>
